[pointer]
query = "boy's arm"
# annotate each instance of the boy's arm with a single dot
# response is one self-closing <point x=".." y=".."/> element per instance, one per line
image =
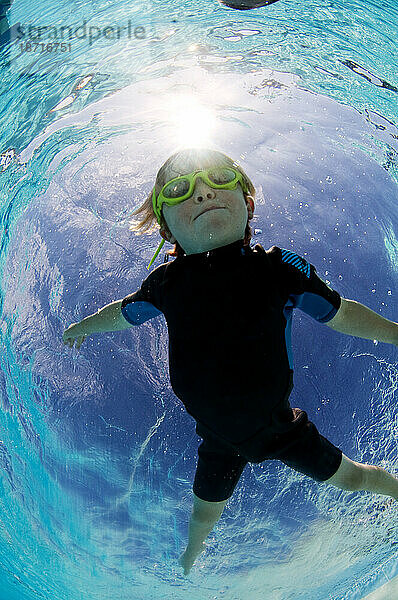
<point x="356" y="319"/>
<point x="108" y="318"/>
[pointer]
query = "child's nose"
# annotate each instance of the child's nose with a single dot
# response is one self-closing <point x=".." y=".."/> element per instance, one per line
<point x="202" y="190"/>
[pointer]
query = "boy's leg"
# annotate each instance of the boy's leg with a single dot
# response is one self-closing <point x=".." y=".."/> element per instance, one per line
<point x="354" y="476"/>
<point x="217" y="474"/>
<point x="203" y="518"/>
<point x="315" y="456"/>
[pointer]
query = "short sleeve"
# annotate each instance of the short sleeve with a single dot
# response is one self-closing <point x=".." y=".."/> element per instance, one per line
<point x="143" y="304"/>
<point x="305" y="289"/>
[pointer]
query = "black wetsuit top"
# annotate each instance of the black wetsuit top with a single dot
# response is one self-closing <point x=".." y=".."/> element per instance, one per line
<point x="228" y="314"/>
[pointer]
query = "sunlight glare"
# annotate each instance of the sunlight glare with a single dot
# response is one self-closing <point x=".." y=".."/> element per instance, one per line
<point x="193" y="123"/>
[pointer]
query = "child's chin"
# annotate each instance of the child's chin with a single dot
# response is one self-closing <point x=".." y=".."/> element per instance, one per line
<point x="246" y="4"/>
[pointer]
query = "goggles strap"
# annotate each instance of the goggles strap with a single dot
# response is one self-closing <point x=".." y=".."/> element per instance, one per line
<point x="156" y="253"/>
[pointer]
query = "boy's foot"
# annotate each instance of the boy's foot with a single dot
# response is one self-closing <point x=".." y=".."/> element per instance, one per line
<point x="246" y="4"/>
<point x="383" y="504"/>
<point x="378" y="507"/>
<point x="188" y="558"/>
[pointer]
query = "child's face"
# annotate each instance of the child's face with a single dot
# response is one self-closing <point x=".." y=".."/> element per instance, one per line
<point x="199" y="231"/>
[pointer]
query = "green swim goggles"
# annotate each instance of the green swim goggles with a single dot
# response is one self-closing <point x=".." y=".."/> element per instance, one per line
<point x="180" y="188"/>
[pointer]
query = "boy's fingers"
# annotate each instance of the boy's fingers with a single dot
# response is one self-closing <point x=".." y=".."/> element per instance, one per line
<point x="71" y="340"/>
<point x="80" y="341"/>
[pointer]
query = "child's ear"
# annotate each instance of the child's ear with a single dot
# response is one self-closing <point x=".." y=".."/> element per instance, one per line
<point x="250" y="206"/>
<point x="166" y="235"/>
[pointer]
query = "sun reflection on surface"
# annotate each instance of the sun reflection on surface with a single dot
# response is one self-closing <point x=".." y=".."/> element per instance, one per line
<point x="193" y="122"/>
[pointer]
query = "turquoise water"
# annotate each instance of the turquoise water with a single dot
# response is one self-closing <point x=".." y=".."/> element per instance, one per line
<point x="97" y="456"/>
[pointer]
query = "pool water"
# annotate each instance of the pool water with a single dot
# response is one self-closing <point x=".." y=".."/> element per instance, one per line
<point x="97" y="455"/>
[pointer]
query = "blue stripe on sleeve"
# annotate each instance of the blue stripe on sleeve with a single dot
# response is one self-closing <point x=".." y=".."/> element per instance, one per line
<point x="138" y="312"/>
<point x="314" y="305"/>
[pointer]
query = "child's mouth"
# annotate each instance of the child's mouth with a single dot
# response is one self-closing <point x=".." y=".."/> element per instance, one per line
<point x="208" y="209"/>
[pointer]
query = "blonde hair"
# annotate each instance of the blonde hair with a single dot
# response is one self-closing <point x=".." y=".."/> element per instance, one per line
<point x="193" y="158"/>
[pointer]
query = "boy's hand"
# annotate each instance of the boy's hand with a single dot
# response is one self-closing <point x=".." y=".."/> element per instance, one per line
<point x="74" y="334"/>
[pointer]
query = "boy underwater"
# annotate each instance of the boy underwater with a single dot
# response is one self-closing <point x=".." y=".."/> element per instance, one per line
<point x="228" y="309"/>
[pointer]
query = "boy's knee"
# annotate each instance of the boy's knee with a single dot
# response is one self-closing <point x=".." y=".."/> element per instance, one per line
<point x="207" y="511"/>
<point x="360" y="477"/>
<point x="356" y="479"/>
<point x="350" y="475"/>
<point x="371" y="476"/>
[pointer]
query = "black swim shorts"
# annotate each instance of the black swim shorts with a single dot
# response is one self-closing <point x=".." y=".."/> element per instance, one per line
<point x="219" y="467"/>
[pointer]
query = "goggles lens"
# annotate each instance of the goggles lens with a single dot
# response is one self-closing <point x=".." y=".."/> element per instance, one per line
<point x="176" y="189"/>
